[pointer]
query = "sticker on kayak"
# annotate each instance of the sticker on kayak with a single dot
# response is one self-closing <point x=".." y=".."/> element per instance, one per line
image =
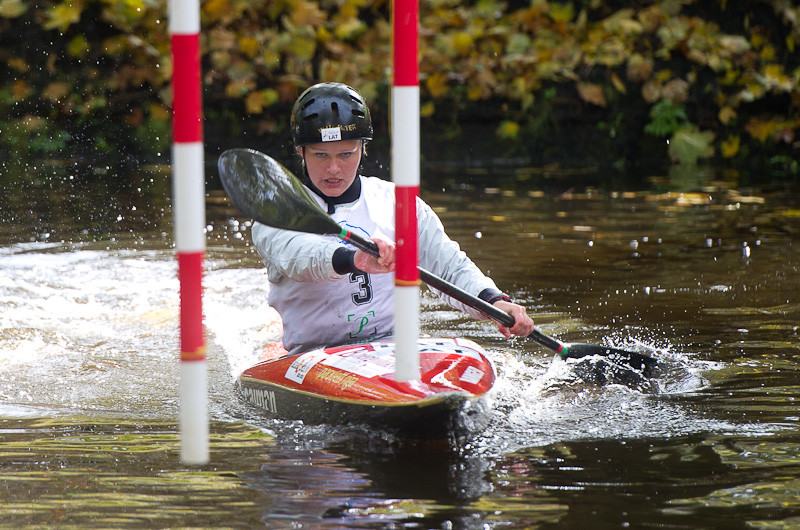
<point x="300" y="367"/>
<point x="366" y="362"/>
<point x="459" y="346"/>
<point x="472" y="375"/>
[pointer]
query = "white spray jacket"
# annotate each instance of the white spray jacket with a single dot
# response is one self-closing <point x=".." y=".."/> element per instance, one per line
<point x="320" y="307"/>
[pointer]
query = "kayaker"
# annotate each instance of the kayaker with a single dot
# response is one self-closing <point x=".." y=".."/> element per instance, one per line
<point x="327" y="292"/>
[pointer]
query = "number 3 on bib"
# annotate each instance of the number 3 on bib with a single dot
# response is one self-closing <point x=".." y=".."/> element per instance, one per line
<point x="364" y="294"/>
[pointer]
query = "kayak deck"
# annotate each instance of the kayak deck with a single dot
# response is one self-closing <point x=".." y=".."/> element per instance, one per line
<point x="355" y="384"/>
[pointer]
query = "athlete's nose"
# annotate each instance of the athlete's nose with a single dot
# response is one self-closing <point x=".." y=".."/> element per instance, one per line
<point x="333" y="167"/>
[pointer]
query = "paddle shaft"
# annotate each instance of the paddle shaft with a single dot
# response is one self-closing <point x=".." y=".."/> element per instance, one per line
<point x="494" y="313"/>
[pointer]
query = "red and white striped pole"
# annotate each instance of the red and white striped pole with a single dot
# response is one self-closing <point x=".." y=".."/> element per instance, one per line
<point x="405" y="173"/>
<point x="188" y="186"/>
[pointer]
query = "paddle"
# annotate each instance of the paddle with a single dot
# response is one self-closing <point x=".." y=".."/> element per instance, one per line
<point x="269" y="193"/>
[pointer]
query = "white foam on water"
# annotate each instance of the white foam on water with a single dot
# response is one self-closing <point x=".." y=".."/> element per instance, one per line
<point x="238" y="316"/>
<point x="84" y="331"/>
<point x="543" y="401"/>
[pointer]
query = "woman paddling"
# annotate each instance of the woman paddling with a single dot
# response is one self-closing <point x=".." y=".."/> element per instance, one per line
<point x="327" y="292"/>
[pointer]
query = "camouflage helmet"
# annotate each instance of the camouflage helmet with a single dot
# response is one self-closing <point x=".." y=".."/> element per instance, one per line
<point x="329" y="112"/>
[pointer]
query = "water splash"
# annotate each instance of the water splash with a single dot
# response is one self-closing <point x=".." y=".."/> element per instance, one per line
<point x="95" y="333"/>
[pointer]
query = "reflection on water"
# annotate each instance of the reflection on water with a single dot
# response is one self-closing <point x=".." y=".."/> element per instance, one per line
<point x="703" y="280"/>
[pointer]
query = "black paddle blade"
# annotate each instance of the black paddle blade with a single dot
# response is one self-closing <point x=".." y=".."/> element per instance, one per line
<point x="601" y="365"/>
<point x="268" y="192"/>
<point x="640" y="363"/>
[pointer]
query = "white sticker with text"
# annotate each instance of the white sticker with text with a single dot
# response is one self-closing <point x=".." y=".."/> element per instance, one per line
<point x="331" y="134"/>
<point x="472" y="375"/>
<point x="300" y="367"/>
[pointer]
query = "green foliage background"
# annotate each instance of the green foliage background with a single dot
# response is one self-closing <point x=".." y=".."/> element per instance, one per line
<point x="574" y="83"/>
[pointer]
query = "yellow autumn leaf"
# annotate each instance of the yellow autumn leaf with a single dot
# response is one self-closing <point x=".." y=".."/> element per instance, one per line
<point x="323" y="34"/>
<point x="32" y="123"/>
<point x="676" y="90"/>
<point x="12" y="8"/>
<point x="159" y="112"/>
<point x="730" y="147"/>
<point x="350" y="29"/>
<point x="774" y="77"/>
<point x="55" y="91"/>
<point x="270" y="59"/>
<point x="436" y="84"/>
<point x="731" y="77"/>
<point x="618" y="84"/>
<point x="592" y="93"/>
<point x="239" y="87"/>
<point x="18" y="64"/>
<point x="759" y="129"/>
<point x="733" y="45"/>
<point x="664" y="75"/>
<point x="302" y="48"/>
<point x="726" y="114"/>
<point x="639" y="68"/>
<point x="561" y="12"/>
<point x="427" y="109"/>
<point x="63" y="15"/>
<point x="255" y="102"/>
<point x="248" y="45"/>
<point x="623" y="22"/>
<point x="214" y="10"/>
<point x="463" y="43"/>
<point x="78" y="47"/>
<point x="307" y="14"/>
<point x="114" y="46"/>
<point x="348" y="10"/>
<point x="767" y="53"/>
<point x="221" y="39"/>
<point x="508" y="130"/>
<point x="20" y="89"/>
<point x="475" y="92"/>
<point x="758" y="39"/>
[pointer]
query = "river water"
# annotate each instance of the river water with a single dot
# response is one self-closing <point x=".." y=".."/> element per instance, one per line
<point x="703" y="276"/>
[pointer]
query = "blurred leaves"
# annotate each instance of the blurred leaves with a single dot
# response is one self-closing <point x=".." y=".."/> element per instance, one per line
<point x="710" y="91"/>
<point x="690" y="144"/>
<point x="12" y="8"/>
<point x="63" y="15"/>
<point x="666" y="118"/>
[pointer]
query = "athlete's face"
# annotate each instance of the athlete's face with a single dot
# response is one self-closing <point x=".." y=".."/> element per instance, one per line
<point x="332" y="166"/>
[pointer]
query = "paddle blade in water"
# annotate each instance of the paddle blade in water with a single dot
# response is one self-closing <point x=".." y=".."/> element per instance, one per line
<point x="268" y="192"/>
<point x="641" y="363"/>
<point x="601" y="365"/>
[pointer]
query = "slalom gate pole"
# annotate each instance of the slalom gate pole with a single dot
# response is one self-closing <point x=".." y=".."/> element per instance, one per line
<point x="405" y="173"/>
<point x="188" y="186"/>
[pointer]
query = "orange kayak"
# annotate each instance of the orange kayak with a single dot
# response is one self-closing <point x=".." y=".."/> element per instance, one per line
<point x="355" y="384"/>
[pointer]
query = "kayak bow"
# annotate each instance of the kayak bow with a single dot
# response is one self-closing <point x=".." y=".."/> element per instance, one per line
<point x="355" y="384"/>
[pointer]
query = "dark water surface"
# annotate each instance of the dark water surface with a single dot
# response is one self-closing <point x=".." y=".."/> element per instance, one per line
<point x="705" y="279"/>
